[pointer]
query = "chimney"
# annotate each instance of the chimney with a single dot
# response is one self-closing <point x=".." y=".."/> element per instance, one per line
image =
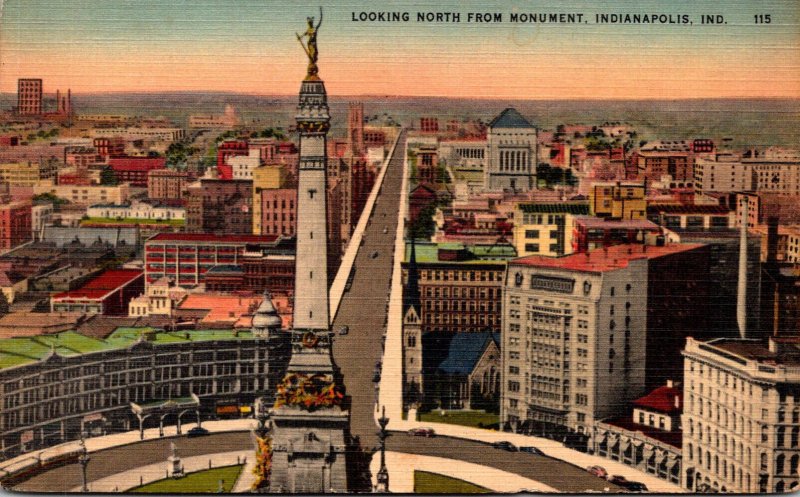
<point x="58" y="101"/>
<point x="670" y="384"/>
<point x="741" y="294"/>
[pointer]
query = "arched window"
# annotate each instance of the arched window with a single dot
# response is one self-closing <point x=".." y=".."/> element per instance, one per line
<point x="793" y="464"/>
<point x="779" y="464"/>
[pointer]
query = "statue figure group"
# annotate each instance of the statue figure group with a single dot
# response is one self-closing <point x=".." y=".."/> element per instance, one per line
<point x="310" y="46"/>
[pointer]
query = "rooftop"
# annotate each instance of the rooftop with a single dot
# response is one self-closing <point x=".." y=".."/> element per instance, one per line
<point x="510" y="118"/>
<point x="575" y="208"/>
<point x="688" y="209"/>
<point x="235" y="311"/>
<point x="103" y="284"/>
<point x="20" y="351"/>
<point x="429" y="252"/>
<point x="212" y="238"/>
<point x="607" y="259"/>
<point x="666" y="399"/>
<point x="673" y="438"/>
<point x="787" y="353"/>
<point x="465" y="351"/>
<point x="598" y="222"/>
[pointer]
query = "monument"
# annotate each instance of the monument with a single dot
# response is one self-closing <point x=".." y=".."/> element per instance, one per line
<point x="301" y="448"/>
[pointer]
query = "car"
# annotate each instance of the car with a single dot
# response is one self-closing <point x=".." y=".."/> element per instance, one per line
<point x="422" y="432"/>
<point x="598" y="471"/>
<point x="385" y="230"/>
<point x="531" y="450"/>
<point x="376" y="377"/>
<point x="618" y="480"/>
<point x="504" y="445"/>
<point x="374" y="254"/>
<point x="635" y="486"/>
<point x="197" y="431"/>
<point x="344" y="330"/>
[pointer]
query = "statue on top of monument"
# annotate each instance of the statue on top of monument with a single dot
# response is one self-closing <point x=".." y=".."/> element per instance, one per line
<point x="310" y="46"/>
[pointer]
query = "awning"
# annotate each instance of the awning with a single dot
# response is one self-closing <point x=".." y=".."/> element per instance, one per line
<point x="671" y="462"/>
<point x="623" y="446"/>
<point x="613" y="442"/>
<point x="661" y="458"/>
<point x="602" y="438"/>
<point x="648" y="453"/>
<point x="637" y="443"/>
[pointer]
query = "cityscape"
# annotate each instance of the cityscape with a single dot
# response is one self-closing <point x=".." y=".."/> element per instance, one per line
<point x="319" y="288"/>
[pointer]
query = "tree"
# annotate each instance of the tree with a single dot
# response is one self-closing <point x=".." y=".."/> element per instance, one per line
<point x="108" y="177"/>
<point x="5" y="307"/>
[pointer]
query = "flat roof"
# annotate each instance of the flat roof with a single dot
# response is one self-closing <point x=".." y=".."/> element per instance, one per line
<point x="428" y="253"/>
<point x="598" y="222"/>
<point x="603" y="260"/>
<point x="788" y="353"/>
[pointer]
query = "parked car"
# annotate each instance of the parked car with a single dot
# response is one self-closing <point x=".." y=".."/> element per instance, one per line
<point x="374" y="254"/>
<point x="618" y="480"/>
<point x="598" y="471"/>
<point x="422" y="432"/>
<point x="344" y="330"/>
<point x="385" y="230"/>
<point x="376" y="377"/>
<point x="630" y="486"/>
<point x="504" y="445"/>
<point x="531" y="450"/>
<point x="197" y="431"/>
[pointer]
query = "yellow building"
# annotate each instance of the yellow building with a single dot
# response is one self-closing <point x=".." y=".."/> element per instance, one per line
<point x="265" y="178"/>
<point x="28" y="173"/>
<point x="618" y="200"/>
<point x="546" y="229"/>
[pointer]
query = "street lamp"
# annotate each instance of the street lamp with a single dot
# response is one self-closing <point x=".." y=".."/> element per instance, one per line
<point x="383" y="473"/>
<point x="83" y="460"/>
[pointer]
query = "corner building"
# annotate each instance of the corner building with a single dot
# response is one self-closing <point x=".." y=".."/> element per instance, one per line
<point x="741" y="417"/>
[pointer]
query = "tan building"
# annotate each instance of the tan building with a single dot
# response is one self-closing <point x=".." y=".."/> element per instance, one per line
<point x="86" y="195"/>
<point x="546" y="229"/>
<point x="29" y="173"/>
<point x="722" y="173"/>
<point x="618" y="200"/>
<point x="270" y="177"/>
<point x="741" y="420"/>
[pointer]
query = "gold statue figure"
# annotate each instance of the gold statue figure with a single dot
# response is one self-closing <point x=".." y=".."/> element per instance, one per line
<point x="310" y="46"/>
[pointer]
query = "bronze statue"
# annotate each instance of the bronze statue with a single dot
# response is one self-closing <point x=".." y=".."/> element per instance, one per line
<point x="311" y="45"/>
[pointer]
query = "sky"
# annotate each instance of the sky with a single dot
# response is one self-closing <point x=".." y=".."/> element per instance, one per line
<point x="249" y="46"/>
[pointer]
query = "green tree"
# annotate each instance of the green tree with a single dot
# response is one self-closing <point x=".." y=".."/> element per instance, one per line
<point x="108" y="177"/>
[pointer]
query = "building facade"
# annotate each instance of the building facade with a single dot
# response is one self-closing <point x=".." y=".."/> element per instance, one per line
<point x="512" y="152"/>
<point x="166" y="184"/>
<point x="545" y="229"/>
<point x="220" y="206"/>
<point x="741" y="421"/>
<point x="15" y="223"/>
<point x="29" y="97"/>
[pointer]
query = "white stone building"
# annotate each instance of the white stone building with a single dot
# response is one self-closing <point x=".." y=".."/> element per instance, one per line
<point x="244" y="165"/>
<point x="512" y="152"/>
<point x="741" y="419"/>
<point x="137" y="210"/>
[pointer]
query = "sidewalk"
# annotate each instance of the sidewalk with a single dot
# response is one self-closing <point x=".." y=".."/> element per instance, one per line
<point x="402" y="466"/>
<point x="126" y="480"/>
<point x="95" y="444"/>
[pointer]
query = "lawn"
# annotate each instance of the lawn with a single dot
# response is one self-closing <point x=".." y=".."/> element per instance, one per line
<point x="200" y="482"/>
<point x="477" y="419"/>
<point x="432" y="483"/>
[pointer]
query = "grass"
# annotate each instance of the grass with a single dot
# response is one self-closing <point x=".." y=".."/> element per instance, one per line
<point x="200" y="482"/>
<point x="476" y="419"/>
<point x="432" y="483"/>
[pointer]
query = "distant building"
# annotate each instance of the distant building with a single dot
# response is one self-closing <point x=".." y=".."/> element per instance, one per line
<point x="278" y="212"/>
<point x="512" y="152"/>
<point x="166" y="184"/>
<point x="242" y="166"/>
<point x="15" y="223"/>
<point x="160" y="299"/>
<point x="227" y="120"/>
<point x="29" y="173"/>
<point x="741" y="420"/>
<point x="618" y="200"/>
<point x="546" y="229"/>
<point x="653" y="164"/>
<point x="134" y="170"/>
<point x="86" y="195"/>
<point x="29" y="97"/>
<point x="219" y="206"/>
<point x="109" y="294"/>
<point x="692" y="217"/>
<point x="593" y="233"/>
<point x="137" y="210"/>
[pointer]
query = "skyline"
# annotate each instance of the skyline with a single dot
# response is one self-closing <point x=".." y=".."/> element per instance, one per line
<point x="121" y="46"/>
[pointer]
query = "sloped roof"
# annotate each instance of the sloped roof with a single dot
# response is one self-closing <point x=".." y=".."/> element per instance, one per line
<point x="465" y="351"/>
<point x="662" y="399"/>
<point x="510" y="118"/>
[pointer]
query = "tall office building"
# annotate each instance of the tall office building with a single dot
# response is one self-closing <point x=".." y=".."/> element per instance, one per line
<point x="29" y="97"/>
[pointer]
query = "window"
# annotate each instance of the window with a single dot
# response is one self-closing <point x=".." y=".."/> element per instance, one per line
<point x="531" y="247"/>
<point x="531" y="233"/>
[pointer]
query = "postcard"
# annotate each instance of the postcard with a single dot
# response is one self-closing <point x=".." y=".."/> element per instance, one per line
<point x="253" y="246"/>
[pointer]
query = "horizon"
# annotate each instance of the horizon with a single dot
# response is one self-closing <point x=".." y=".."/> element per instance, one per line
<point x="249" y="47"/>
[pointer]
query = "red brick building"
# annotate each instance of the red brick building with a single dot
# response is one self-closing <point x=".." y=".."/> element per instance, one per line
<point x="15" y="223"/>
<point x="267" y="260"/>
<point x="420" y="197"/>
<point x="166" y="184"/>
<point x="109" y="293"/>
<point x="110" y="147"/>
<point x="231" y="148"/>
<point x="29" y="97"/>
<point x="593" y="232"/>
<point x="428" y="124"/>
<point x="278" y="211"/>
<point x="134" y="170"/>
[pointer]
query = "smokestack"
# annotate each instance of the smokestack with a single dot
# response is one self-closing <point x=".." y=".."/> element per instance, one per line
<point x="741" y="295"/>
<point x="58" y="101"/>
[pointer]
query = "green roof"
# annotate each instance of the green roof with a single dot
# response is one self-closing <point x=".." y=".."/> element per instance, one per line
<point x="428" y="253"/>
<point x="19" y="351"/>
<point x="575" y="208"/>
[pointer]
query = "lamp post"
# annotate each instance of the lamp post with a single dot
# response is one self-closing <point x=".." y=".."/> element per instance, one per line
<point x="383" y="473"/>
<point x="83" y="460"/>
